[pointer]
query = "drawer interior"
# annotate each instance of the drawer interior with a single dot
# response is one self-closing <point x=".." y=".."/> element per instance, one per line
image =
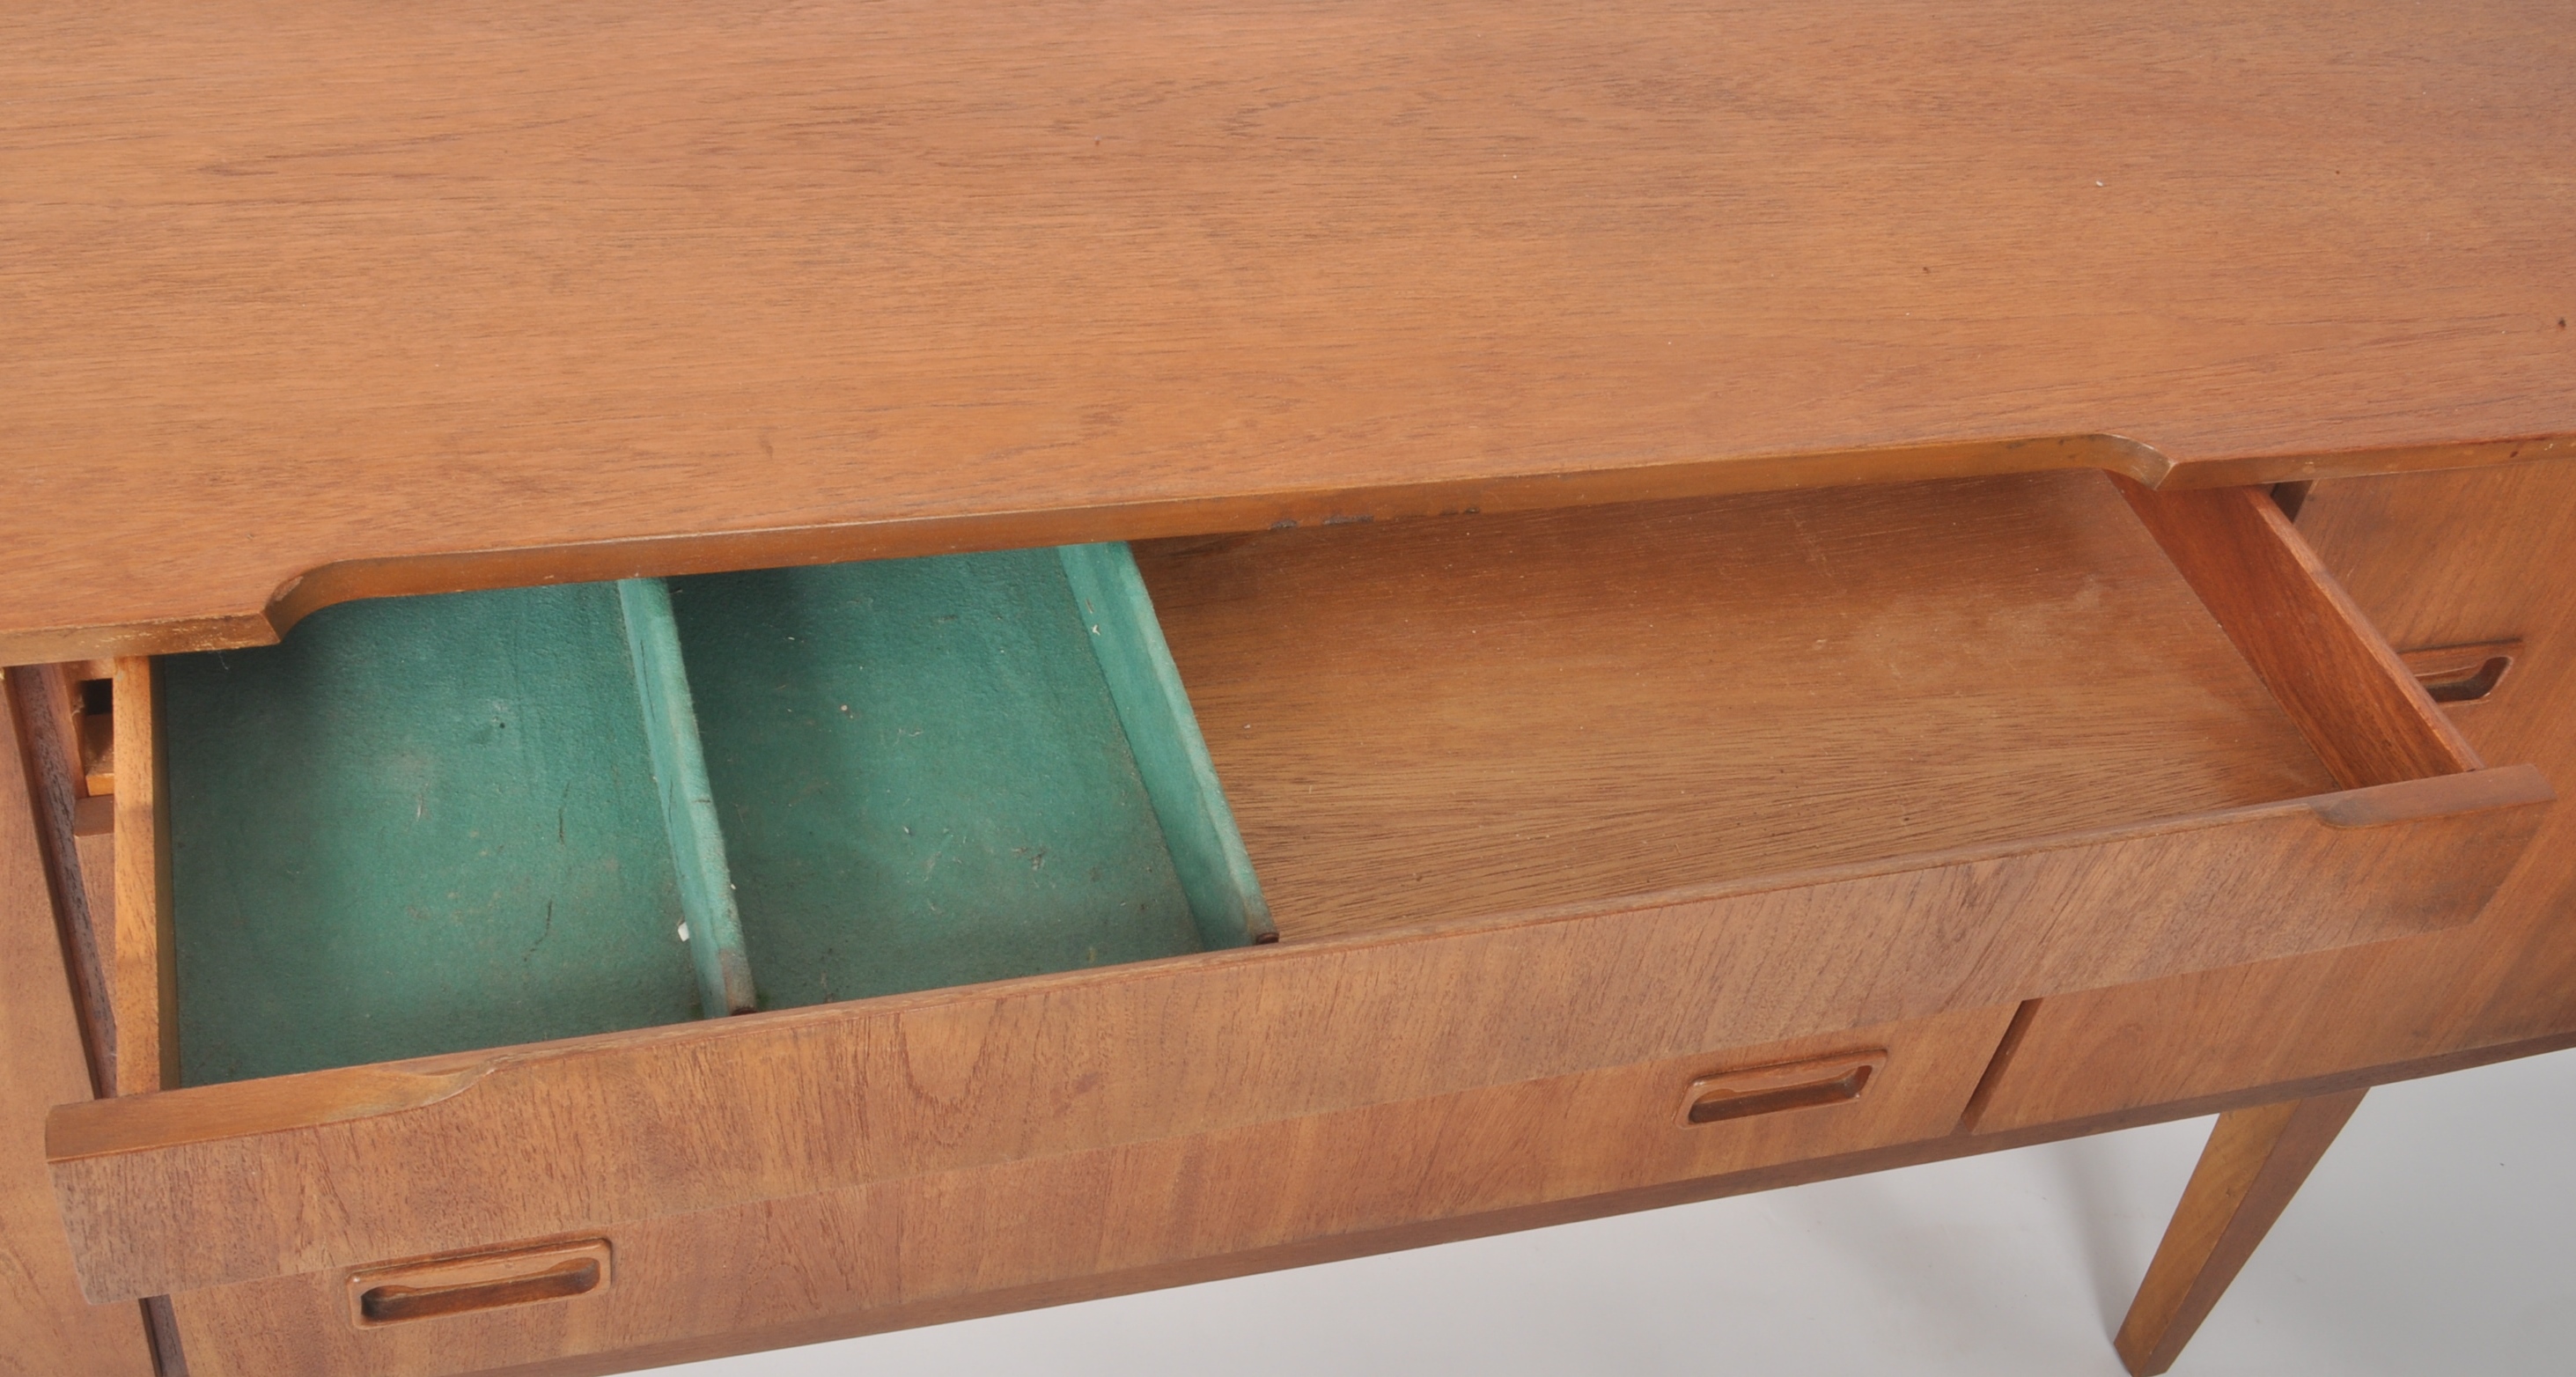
<point x="472" y="820"/>
<point x="438" y="823"/>
<point x="1506" y="712"/>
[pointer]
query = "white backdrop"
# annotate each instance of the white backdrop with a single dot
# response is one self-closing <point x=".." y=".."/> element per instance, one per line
<point x="2438" y="1237"/>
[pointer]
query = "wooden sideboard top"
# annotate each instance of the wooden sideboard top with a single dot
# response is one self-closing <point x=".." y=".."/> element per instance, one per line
<point x="326" y="299"/>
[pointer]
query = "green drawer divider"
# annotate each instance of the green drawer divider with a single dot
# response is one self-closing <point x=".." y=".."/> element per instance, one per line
<point x="922" y="776"/>
<point x="688" y="801"/>
<point x="1171" y="755"/>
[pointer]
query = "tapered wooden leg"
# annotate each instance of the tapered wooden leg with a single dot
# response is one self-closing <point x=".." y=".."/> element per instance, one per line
<point x="2254" y="1163"/>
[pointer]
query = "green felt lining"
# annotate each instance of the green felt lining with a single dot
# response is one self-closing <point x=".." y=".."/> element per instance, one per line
<point x="430" y="824"/>
<point x="417" y="825"/>
<point x="922" y="778"/>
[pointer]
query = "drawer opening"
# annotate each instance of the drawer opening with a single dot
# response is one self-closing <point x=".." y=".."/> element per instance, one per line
<point x="461" y="821"/>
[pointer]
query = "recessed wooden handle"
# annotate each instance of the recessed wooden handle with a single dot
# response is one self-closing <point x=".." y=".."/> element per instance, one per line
<point x="1788" y="1085"/>
<point x="2461" y="673"/>
<point x="484" y="1281"/>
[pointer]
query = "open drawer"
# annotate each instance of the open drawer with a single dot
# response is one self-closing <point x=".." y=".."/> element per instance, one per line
<point x="1528" y="795"/>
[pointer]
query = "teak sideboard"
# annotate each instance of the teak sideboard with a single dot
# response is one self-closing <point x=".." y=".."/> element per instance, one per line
<point x="694" y="678"/>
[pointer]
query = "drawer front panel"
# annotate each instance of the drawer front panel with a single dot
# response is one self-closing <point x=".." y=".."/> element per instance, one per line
<point x="905" y="1252"/>
<point x="203" y="1187"/>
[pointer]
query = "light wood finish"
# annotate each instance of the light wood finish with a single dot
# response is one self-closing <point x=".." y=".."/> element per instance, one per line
<point x="144" y="973"/>
<point x="1501" y="712"/>
<point x="2254" y="1163"/>
<point x="2435" y="560"/>
<point x="2356" y="702"/>
<point x="818" y="281"/>
<point x="209" y="1185"/>
<point x="46" y="1329"/>
<point x="892" y="1253"/>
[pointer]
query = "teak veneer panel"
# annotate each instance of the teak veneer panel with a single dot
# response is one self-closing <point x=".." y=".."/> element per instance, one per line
<point x="879" y="1256"/>
<point x="332" y="300"/>
<point x="1501" y="712"/>
<point x="200" y="1187"/>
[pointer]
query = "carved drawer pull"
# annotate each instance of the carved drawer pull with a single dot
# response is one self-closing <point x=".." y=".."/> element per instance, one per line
<point x="1791" y="1085"/>
<point x="483" y="1281"/>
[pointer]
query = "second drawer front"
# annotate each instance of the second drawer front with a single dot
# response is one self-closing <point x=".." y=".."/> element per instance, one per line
<point x="1010" y="1236"/>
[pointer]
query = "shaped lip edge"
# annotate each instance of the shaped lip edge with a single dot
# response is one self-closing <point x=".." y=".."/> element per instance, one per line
<point x="90" y="1129"/>
<point x="2472" y="791"/>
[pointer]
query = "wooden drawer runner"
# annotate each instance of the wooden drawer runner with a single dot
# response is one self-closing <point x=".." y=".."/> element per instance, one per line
<point x="1530" y="797"/>
<point x="903" y="1252"/>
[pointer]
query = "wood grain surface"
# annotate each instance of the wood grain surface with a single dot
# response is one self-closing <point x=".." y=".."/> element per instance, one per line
<point x="46" y="1328"/>
<point x="325" y="299"/>
<point x="772" y="1324"/>
<point x="143" y="984"/>
<point x="209" y="1185"/>
<point x="1481" y="714"/>
<point x="873" y="1256"/>
<point x="2434" y="560"/>
<point x="2254" y="1164"/>
<point x="2355" y="701"/>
